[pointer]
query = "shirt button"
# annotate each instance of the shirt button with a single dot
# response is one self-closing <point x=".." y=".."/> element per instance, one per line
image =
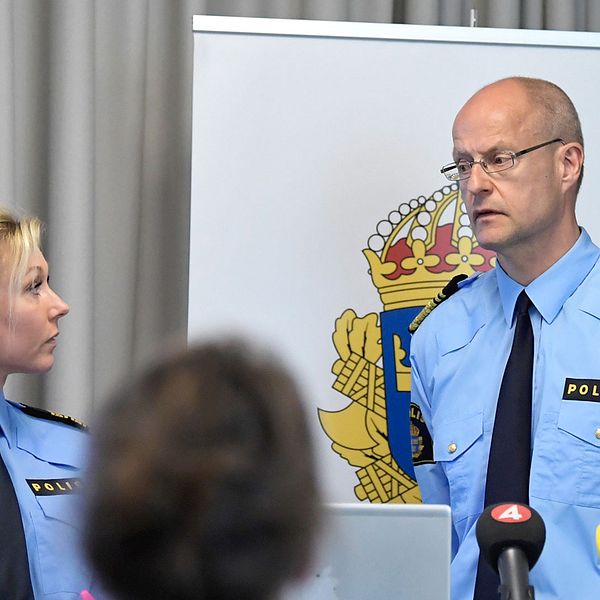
<point x="598" y="433"/>
<point x="452" y="446"/>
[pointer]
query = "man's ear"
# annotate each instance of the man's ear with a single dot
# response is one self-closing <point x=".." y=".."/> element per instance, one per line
<point x="572" y="163"/>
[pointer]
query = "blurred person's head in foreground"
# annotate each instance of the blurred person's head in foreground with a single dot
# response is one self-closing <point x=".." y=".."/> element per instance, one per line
<point x="202" y="480"/>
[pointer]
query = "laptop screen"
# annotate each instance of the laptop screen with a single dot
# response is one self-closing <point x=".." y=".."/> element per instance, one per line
<point x="380" y="552"/>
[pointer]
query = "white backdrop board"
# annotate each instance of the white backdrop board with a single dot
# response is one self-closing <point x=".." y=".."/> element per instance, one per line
<point x="306" y="136"/>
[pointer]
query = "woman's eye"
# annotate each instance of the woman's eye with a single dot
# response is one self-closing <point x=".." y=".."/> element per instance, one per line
<point x="35" y="286"/>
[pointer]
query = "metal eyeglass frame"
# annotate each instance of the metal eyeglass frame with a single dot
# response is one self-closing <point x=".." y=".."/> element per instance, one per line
<point x="446" y="170"/>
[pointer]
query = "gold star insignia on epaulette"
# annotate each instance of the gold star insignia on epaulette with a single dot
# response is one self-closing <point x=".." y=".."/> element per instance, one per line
<point x="450" y="288"/>
<point x="40" y="413"/>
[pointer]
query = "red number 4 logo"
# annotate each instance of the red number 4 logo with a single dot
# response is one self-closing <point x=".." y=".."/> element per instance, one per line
<point x="511" y="513"/>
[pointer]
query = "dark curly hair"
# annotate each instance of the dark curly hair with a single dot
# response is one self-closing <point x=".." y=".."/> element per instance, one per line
<point x="202" y="480"/>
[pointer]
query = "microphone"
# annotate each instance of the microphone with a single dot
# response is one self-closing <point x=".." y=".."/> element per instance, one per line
<point x="511" y="538"/>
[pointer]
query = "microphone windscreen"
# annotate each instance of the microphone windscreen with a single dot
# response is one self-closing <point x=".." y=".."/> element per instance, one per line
<point x="507" y="525"/>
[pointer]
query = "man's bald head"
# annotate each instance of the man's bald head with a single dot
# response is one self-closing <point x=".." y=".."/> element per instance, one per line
<point x="540" y="105"/>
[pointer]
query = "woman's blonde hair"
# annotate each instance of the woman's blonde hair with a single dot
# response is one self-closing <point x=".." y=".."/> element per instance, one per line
<point x="18" y="239"/>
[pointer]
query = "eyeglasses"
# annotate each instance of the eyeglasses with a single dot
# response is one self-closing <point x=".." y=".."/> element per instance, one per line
<point x="499" y="161"/>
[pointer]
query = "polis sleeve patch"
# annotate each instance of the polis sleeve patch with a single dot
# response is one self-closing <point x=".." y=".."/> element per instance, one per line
<point x="54" y="487"/>
<point x="420" y="438"/>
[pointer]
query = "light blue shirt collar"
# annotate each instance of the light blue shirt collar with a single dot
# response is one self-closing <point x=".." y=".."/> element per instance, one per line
<point x="550" y="290"/>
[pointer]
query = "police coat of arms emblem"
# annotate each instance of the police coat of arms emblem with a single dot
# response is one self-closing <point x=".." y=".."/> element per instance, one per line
<point x="413" y="254"/>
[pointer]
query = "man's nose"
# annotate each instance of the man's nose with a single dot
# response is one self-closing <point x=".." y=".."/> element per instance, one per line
<point x="479" y="180"/>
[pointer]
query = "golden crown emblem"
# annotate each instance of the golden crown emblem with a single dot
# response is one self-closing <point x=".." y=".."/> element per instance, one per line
<point x="420" y="246"/>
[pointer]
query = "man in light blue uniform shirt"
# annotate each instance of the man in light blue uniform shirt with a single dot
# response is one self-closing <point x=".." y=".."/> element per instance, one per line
<point x="522" y="206"/>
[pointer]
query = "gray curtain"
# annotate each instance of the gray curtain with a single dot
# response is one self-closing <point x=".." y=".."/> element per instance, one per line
<point x="95" y="122"/>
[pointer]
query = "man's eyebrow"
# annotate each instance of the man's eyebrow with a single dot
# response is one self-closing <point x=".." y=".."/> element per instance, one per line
<point x="456" y="155"/>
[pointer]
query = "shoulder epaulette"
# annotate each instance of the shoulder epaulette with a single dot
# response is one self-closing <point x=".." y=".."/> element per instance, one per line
<point x="48" y="415"/>
<point x="450" y="288"/>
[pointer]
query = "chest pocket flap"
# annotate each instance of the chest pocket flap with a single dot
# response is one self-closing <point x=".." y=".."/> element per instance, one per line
<point x="452" y="438"/>
<point x="65" y="509"/>
<point x="459" y="333"/>
<point x="581" y="419"/>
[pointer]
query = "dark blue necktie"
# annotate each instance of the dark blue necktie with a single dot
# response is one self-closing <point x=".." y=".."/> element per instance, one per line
<point x="15" y="581"/>
<point x="510" y="452"/>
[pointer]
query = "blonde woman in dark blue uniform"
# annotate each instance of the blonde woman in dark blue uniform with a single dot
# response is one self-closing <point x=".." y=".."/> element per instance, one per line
<point x="41" y="452"/>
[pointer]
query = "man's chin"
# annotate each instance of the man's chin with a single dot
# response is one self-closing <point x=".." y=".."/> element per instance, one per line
<point x="490" y="245"/>
<point x="489" y="239"/>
